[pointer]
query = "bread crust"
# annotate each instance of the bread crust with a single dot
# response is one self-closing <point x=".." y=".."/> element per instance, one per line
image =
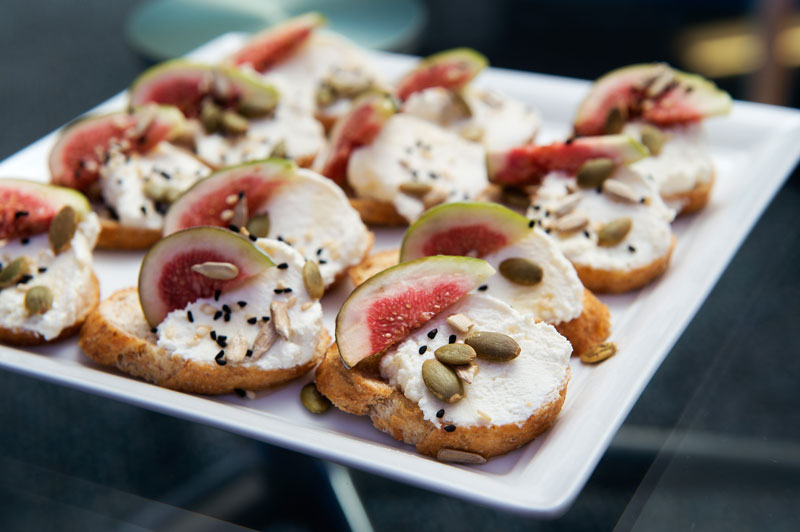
<point x="114" y="235"/>
<point x="619" y="281"/>
<point x="117" y="334"/>
<point x="375" y="212"/>
<point x="25" y="337"/>
<point x="692" y="200"/>
<point x="361" y="391"/>
<point x="375" y="263"/>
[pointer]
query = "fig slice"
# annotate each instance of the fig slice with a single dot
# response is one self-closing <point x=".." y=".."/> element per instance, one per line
<point x="470" y="229"/>
<point x="27" y="207"/>
<point x="81" y="148"/>
<point x="450" y="69"/>
<point x="277" y="43"/>
<point x="357" y="128"/>
<point x="653" y="92"/>
<point x="167" y="281"/>
<point x="207" y="201"/>
<point x="386" y="308"/>
<point x="527" y="165"/>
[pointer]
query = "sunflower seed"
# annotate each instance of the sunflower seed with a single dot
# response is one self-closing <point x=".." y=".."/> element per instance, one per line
<point x="236" y="349"/>
<point x="460" y="322"/>
<point x="415" y="188"/>
<point x="265" y="339"/>
<point x="571" y="222"/>
<point x="619" y="191"/>
<point x="466" y="372"/>
<point x="459" y="457"/>
<point x="223" y="271"/>
<point x="567" y="204"/>
<point x="280" y="317"/>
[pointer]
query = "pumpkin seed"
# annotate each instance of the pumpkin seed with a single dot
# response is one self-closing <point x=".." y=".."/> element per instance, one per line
<point x="653" y="139"/>
<point x="222" y="271"/>
<point x="315" y="286"/>
<point x="571" y="222"/>
<point x="38" y="299"/>
<point x="155" y="190"/>
<point x="13" y="271"/>
<point x="599" y="353"/>
<point x="522" y="271"/>
<point x="614" y="232"/>
<point x="257" y="105"/>
<point x="210" y="116"/>
<point x="415" y="188"/>
<point x="279" y="150"/>
<point x="442" y="381"/>
<point x="619" y="191"/>
<point x="258" y="225"/>
<point x="459" y="457"/>
<point x="62" y="228"/>
<point x="313" y="400"/>
<point x="466" y="372"/>
<point x="615" y="120"/>
<point x="455" y="354"/>
<point x="493" y="346"/>
<point x="234" y="123"/>
<point x="594" y="171"/>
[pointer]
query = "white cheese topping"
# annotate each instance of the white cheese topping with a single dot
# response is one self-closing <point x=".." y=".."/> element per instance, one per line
<point x="68" y="275"/>
<point x="557" y="298"/>
<point x="292" y="124"/>
<point x="683" y="163"/>
<point x="409" y="149"/>
<point x="494" y="120"/>
<point x="192" y="340"/>
<point x="131" y="185"/>
<point x="502" y="392"/>
<point x="650" y="236"/>
<point x="313" y="215"/>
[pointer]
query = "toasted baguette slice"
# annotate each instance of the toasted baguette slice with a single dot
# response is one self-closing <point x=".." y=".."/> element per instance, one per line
<point x="619" y="281"/>
<point x="114" y="235"/>
<point x="89" y="303"/>
<point x="362" y="391"/>
<point x="116" y="334"/>
<point x="374" y="212"/>
<point x="692" y="200"/>
<point x="584" y="332"/>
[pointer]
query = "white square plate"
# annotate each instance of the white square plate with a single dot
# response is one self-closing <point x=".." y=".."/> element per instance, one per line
<point x="754" y="149"/>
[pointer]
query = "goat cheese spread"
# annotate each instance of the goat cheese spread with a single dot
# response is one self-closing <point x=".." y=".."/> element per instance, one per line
<point x="138" y="188"/>
<point x="68" y="275"/>
<point x="192" y="339"/>
<point x="501" y="393"/>
<point x="411" y="150"/>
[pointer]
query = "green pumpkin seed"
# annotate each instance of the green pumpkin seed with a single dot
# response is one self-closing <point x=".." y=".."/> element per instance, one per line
<point x="315" y="286"/>
<point x="13" y="272"/>
<point x="234" y="123"/>
<point x="455" y="354"/>
<point x="442" y="381"/>
<point x="493" y="346"/>
<point x="615" y="120"/>
<point x="258" y="225"/>
<point x="38" y="299"/>
<point x="210" y="116"/>
<point x="313" y="400"/>
<point x="62" y="228"/>
<point x="521" y="271"/>
<point x="414" y="188"/>
<point x="257" y="105"/>
<point x="594" y="171"/>
<point x="614" y="232"/>
<point x="599" y="353"/>
<point x="653" y="139"/>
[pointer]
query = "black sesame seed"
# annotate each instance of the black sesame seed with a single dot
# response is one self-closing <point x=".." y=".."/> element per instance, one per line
<point x="248" y="353"/>
<point x="536" y="207"/>
<point x="280" y="238"/>
<point x="449" y="428"/>
<point x="532" y="223"/>
<point x="278" y="290"/>
<point x="113" y="213"/>
<point x="42" y="269"/>
<point x="323" y="261"/>
<point x="569" y="141"/>
<point x="319" y="251"/>
<point x="432" y="334"/>
<point x="25" y="278"/>
<point x="282" y="266"/>
<point x="25" y="241"/>
<point x="264" y="318"/>
<point x="287" y="290"/>
<point x="546" y="213"/>
<point x="217" y="315"/>
<point x="161" y="207"/>
<point x="440" y="413"/>
<point x="217" y="293"/>
<point x="423" y="349"/>
<point x="226" y="309"/>
<point x="240" y="392"/>
<point x="433" y="175"/>
<point x="153" y="330"/>
<point x="189" y="316"/>
<point x="162" y="172"/>
<point x="252" y="237"/>
<point x="242" y="304"/>
<point x="641" y="200"/>
<point x="213" y="335"/>
<point x="599" y="190"/>
<point x="241" y="194"/>
<point x="222" y="340"/>
<point x="586" y="234"/>
<point x="20" y="214"/>
<point x="144" y="209"/>
<point x="252" y="321"/>
<point x="547" y="230"/>
<point x="219" y="358"/>
<point x="234" y="228"/>
<point x="483" y="287"/>
<point x="631" y="249"/>
<point x="452" y="339"/>
<point x="227" y="317"/>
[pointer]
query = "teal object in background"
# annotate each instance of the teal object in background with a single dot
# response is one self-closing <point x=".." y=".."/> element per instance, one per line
<point x="163" y="29"/>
